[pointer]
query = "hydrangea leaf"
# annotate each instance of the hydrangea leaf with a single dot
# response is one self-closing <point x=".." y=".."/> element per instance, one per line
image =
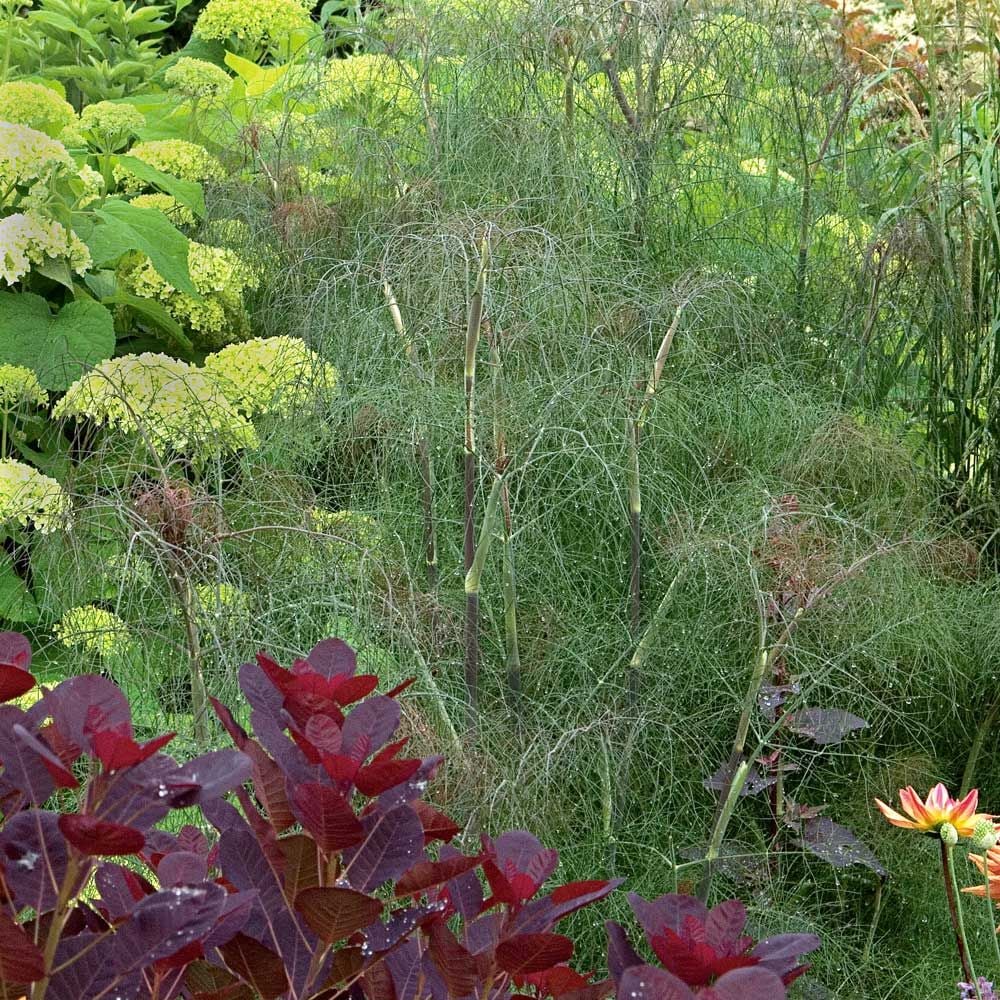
<point x="125" y="228"/>
<point x="155" y="315"/>
<point x="16" y="601"/>
<point x="58" y="347"/>
<point x="188" y="193"/>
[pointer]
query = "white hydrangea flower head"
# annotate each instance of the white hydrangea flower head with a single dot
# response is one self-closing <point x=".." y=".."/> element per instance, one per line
<point x="178" y="214"/>
<point x="270" y="374"/>
<point x="27" y="155"/>
<point x="27" y="239"/>
<point x="197" y="78"/>
<point x="19" y="387"/>
<point x="173" y="405"/>
<point x="93" y="185"/>
<point x="222" y="278"/>
<point x="35" y="105"/>
<point x="95" y="630"/>
<point x="185" y="160"/>
<point x="30" y="499"/>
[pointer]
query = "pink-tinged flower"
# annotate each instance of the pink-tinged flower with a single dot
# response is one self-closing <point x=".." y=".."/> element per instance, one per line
<point x="988" y="865"/>
<point x="935" y="811"/>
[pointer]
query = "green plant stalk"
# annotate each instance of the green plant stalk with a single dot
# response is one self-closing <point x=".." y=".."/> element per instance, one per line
<point x="472" y="584"/>
<point x="512" y="645"/>
<point x="983" y="730"/>
<point x="425" y="457"/>
<point x="473" y="332"/>
<point x="636" y="425"/>
<point x="199" y="694"/>
<point x="765" y="659"/>
<point x="725" y="814"/>
<point x="12" y="8"/>
<point x="426" y="463"/>
<point x="642" y="649"/>
<point x="957" y="918"/>
<point x="873" y="927"/>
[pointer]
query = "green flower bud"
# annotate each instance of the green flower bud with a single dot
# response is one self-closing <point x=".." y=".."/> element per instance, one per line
<point x="984" y="835"/>
<point x="948" y="834"/>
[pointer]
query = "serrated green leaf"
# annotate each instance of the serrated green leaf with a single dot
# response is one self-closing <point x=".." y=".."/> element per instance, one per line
<point x="57" y="347"/>
<point x="188" y="193"/>
<point x="17" y="605"/>
<point x="154" y="313"/>
<point x="126" y="227"/>
<point x="56" y="269"/>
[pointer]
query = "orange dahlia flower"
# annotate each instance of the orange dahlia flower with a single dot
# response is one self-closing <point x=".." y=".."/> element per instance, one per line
<point x="929" y="815"/>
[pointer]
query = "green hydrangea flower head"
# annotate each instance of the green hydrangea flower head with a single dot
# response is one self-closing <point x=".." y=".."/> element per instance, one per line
<point x="254" y="27"/>
<point x="19" y="387"/>
<point x="27" y="155"/>
<point x="197" y="78"/>
<point x="351" y="534"/>
<point x="270" y="374"/>
<point x="185" y="160"/>
<point x="35" y="105"/>
<point x="220" y="603"/>
<point x="370" y="80"/>
<point x="178" y="214"/>
<point x="221" y="276"/>
<point x="173" y="405"/>
<point x="30" y="499"/>
<point x="94" y="630"/>
<point x="28" y="238"/>
<point x="109" y="126"/>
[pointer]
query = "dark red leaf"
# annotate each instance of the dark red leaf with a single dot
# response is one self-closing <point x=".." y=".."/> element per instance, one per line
<point x="824" y="726"/>
<point x="21" y="960"/>
<point x="15" y="650"/>
<point x="352" y="689"/>
<point x="837" y="845"/>
<point x="14" y="682"/>
<point x="326" y="814"/>
<point x="270" y="786"/>
<point x="437" y="826"/>
<point x="646" y="982"/>
<point x="747" y="984"/>
<point x="301" y="863"/>
<point x="58" y="771"/>
<point x="456" y="966"/>
<point x="390" y="751"/>
<point x="347" y="963"/>
<point x="378" y="778"/>
<point x="334" y="913"/>
<point x="209" y="982"/>
<point x="526" y="953"/>
<point x="283" y="680"/>
<point x="236" y="732"/>
<point x="256" y="965"/>
<point x="116" y="749"/>
<point x="98" y="838"/>
<point x="426" y="874"/>
<point x="181" y="958"/>
<point x="400" y="688"/>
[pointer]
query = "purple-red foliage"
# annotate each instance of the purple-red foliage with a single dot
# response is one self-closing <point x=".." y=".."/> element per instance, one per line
<point x="327" y="875"/>
<point x="704" y="954"/>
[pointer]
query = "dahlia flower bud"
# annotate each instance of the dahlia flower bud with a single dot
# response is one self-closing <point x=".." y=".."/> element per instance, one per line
<point x="984" y="835"/>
